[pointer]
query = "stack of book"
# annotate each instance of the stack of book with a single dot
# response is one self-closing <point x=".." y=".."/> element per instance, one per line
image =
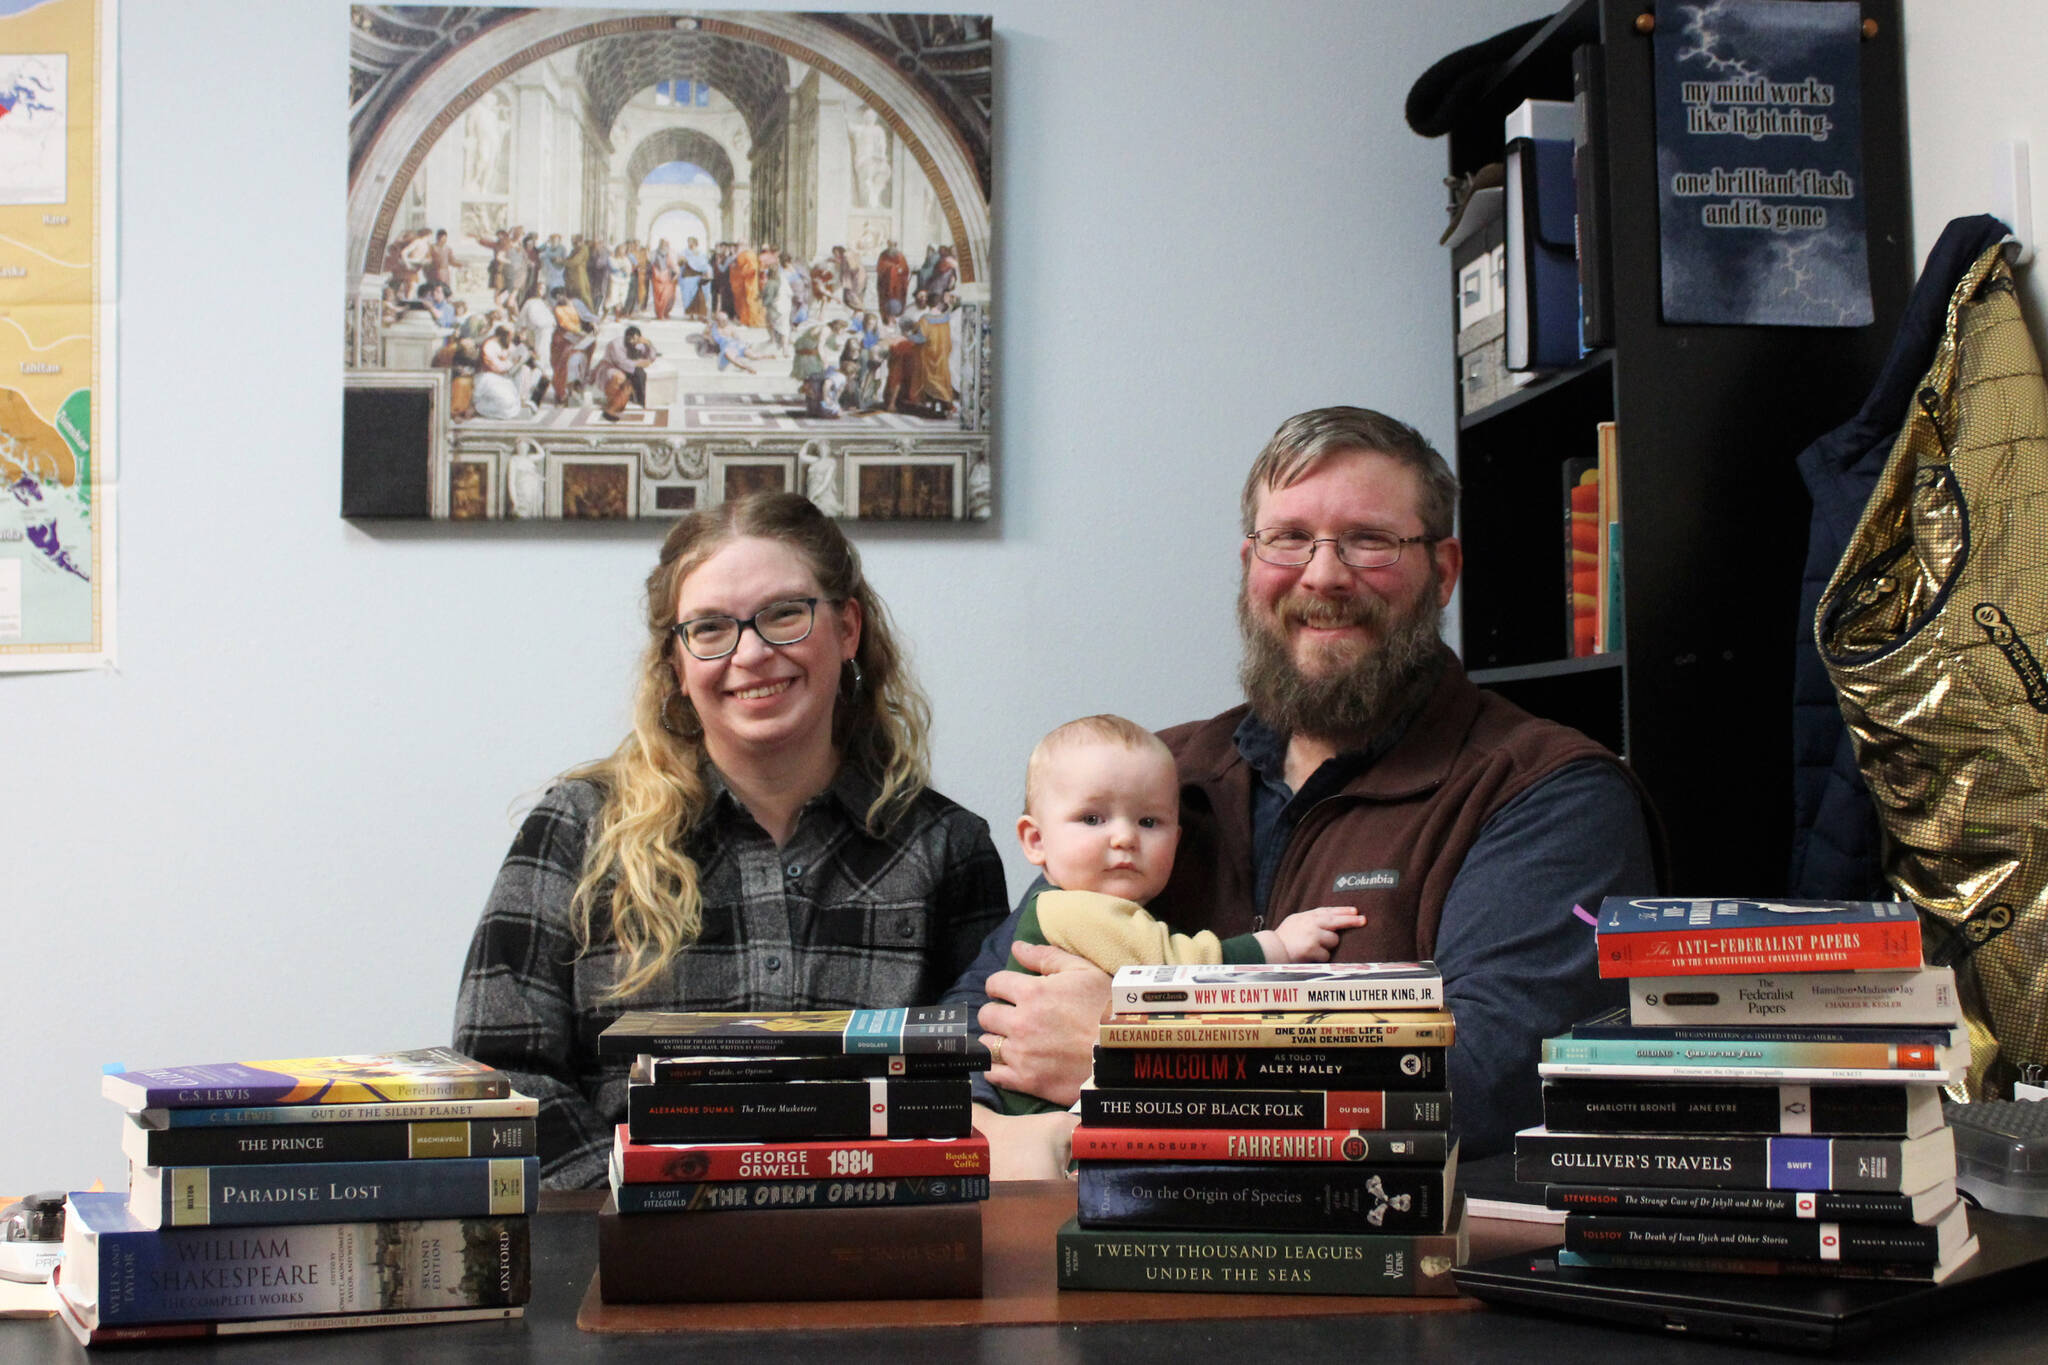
<point x="1268" y="1129"/>
<point x="808" y="1155"/>
<point x="1769" y="1102"/>
<point x="319" y="1192"/>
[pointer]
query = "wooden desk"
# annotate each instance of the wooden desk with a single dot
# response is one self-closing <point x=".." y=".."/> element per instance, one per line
<point x="1187" y="1330"/>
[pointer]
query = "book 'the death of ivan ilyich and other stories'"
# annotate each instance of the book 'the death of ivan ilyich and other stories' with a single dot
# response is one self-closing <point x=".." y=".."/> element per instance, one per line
<point x="1281" y="1029"/>
<point x="329" y="1142"/>
<point x="770" y="1111"/>
<point x="1925" y="996"/>
<point x="436" y="1073"/>
<point x="1412" y="1264"/>
<point x="117" y="1271"/>
<point x="927" y="1251"/>
<point x="1632" y="1106"/>
<point x="923" y="1029"/>
<point x="513" y="1106"/>
<point x="1277" y="986"/>
<point x="1265" y="1198"/>
<point x="1792" y="1240"/>
<point x="1377" y="1110"/>
<point x="1233" y="1144"/>
<point x="1690" y="1201"/>
<point x="1645" y="936"/>
<point x="1892" y="1165"/>
<point x="722" y="1195"/>
<point x="1279" y="1068"/>
<point x="657" y="1163"/>
<point x="332" y="1191"/>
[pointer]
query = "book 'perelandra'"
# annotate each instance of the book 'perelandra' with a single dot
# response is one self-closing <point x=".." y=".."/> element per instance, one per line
<point x="435" y="1073"/>
<point x="1648" y="936"/>
<point x="1192" y="989"/>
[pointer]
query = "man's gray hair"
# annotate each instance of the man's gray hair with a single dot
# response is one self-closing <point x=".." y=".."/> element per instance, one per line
<point x="1306" y="439"/>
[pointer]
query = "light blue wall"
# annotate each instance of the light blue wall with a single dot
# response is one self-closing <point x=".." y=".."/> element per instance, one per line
<point x="268" y="832"/>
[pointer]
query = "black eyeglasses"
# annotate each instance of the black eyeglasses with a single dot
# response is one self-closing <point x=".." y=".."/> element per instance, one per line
<point x="779" y="623"/>
<point x="1291" y="548"/>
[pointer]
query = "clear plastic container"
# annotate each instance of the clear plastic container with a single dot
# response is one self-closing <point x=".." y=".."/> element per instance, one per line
<point x="2002" y="1154"/>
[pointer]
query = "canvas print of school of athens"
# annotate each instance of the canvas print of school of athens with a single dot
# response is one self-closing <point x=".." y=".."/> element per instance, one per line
<point x="610" y="263"/>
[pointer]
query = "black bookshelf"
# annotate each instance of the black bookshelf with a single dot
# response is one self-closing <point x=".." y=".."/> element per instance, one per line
<point x="1714" y="516"/>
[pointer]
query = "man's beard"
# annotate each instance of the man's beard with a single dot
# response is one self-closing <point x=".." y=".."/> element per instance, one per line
<point x="1356" y="700"/>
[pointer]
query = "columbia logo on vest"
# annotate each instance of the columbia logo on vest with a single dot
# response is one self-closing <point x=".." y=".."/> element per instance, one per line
<point x="1368" y="881"/>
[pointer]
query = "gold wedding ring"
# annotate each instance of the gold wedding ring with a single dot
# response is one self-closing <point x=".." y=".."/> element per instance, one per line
<point x="995" y="1049"/>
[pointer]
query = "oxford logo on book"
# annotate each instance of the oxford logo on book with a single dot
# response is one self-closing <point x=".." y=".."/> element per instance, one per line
<point x="1380" y="879"/>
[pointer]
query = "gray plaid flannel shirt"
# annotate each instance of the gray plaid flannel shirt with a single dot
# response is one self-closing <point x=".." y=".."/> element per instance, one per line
<point x="834" y="919"/>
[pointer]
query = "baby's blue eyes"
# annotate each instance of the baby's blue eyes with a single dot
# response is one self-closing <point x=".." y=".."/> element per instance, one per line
<point x="1149" y="822"/>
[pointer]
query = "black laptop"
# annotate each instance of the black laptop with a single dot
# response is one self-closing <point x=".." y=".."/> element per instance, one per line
<point x="1806" y="1313"/>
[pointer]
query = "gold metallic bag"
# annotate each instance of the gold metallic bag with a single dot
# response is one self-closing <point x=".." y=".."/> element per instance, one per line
<point x="1933" y="629"/>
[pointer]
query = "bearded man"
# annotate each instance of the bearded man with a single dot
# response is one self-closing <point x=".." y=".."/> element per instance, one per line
<point x="1365" y="770"/>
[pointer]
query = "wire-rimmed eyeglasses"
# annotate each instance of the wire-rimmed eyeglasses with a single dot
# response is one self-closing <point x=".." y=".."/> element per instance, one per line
<point x="779" y="623"/>
<point x="1291" y="547"/>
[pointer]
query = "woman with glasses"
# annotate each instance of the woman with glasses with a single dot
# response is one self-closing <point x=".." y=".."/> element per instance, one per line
<point x="764" y="839"/>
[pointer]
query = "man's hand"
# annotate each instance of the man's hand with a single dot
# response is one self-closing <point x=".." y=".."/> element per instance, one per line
<point x="1046" y="1024"/>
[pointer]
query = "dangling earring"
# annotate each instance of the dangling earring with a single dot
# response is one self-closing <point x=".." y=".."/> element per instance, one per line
<point x="855" y="689"/>
<point x="687" y="728"/>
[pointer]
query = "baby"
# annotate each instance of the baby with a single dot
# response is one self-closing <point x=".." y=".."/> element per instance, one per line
<point x="1102" y="818"/>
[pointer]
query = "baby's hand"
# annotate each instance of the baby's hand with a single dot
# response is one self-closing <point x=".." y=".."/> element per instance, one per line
<point x="1309" y="935"/>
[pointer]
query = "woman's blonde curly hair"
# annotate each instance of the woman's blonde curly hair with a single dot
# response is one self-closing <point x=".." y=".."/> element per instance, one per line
<point x="655" y="789"/>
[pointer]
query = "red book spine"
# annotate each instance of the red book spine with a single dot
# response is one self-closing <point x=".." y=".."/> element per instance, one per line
<point x="1711" y="952"/>
<point x="1230" y="1144"/>
<point x="658" y="1164"/>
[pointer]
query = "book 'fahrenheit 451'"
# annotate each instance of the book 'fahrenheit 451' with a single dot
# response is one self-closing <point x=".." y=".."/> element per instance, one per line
<point x="796" y="1033"/>
<point x="435" y="1073"/>
<point x="1197" y="989"/>
<point x="1233" y="1144"/>
<point x="1648" y="936"/>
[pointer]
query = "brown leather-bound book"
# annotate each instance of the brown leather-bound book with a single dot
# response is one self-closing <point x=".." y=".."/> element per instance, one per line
<point x="907" y="1252"/>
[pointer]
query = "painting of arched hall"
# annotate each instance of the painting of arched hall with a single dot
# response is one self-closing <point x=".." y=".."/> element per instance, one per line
<point x="609" y="263"/>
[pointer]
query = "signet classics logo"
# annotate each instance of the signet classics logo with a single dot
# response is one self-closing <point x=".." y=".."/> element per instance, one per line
<point x="1381" y="879"/>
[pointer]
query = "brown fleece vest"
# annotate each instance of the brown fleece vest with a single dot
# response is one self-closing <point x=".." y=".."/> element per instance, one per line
<point x="1389" y="843"/>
